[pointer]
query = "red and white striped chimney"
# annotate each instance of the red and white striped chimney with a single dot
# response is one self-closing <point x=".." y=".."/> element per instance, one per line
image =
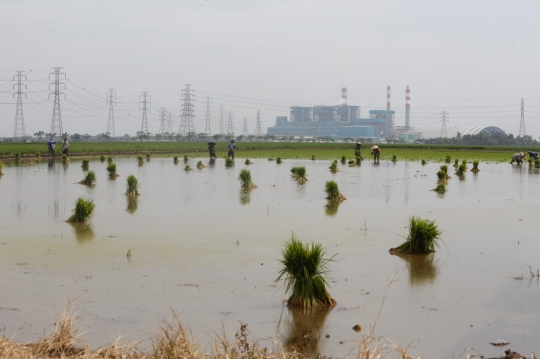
<point x="388" y="99"/>
<point x="407" y="109"/>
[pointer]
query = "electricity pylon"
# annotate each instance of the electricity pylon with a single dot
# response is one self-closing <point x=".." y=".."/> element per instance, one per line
<point x="522" y="121"/>
<point x="163" y="125"/>
<point x="230" y="124"/>
<point x="146" y="97"/>
<point x="258" y="131"/>
<point x="56" y="123"/>
<point x="444" y="119"/>
<point x="111" y="100"/>
<point x="187" y="117"/>
<point x="18" y="130"/>
<point x="208" y="115"/>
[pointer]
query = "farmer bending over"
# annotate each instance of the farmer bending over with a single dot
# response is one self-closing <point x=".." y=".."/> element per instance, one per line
<point x="376" y="153"/>
<point x="358" y="150"/>
<point x="51" y="146"/>
<point x="533" y="154"/>
<point x="518" y="157"/>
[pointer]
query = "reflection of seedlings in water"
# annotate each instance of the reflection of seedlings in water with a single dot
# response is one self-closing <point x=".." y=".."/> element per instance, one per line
<point x="89" y="179"/>
<point x="186" y="158"/>
<point x="102" y="158"/>
<point x="343" y="159"/>
<point x="422" y="268"/>
<point x="475" y="167"/>
<point x="148" y="156"/>
<point x="17" y="156"/>
<point x="38" y="156"/>
<point x="132" y="186"/>
<point x="248" y="162"/>
<point x="333" y="167"/>
<point x="305" y="328"/>
<point x="245" y="179"/>
<point x="175" y="160"/>
<point x="187" y="168"/>
<point x="300" y="174"/>
<point x="331" y="208"/>
<point x="332" y="192"/>
<point x="65" y="158"/>
<point x="200" y="165"/>
<point x="444" y="168"/>
<point x="293" y="172"/>
<point x="303" y="269"/>
<point x="111" y="168"/>
<point x="394" y="158"/>
<point x="109" y="160"/>
<point x="422" y="239"/>
<point x="464" y="163"/>
<point x="278" y="160"/>
<point x="83" y="210"/>
<point x="141" y="160"/>
<point x="83" y="231"/>
<point x="229" y="162"/>
<point x="245" y="196"/>
<point x="132" y="204"/>
<point x="85" y="164"/>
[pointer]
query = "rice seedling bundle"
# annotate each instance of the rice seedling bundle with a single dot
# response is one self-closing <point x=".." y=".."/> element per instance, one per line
<point x="278" y="160"/>
<point x="352" y="162"/>
<point x="38" y="156"/>
<point x="270" y="159"/>
<point x="1" y="166"/>
<point x="475" y="166"/>
<point x="537" y="163"/>
<point x="447" y="159"/>
<point x="187" y="168"/>
<point x="358" y="161"/>
<point x="229" y="162"/>
<point x="111" y="168"/>
<point x="313" y="157"/>
<point x="248" y="162"/>
<point x="332" y="192"/>
<point x="102" y="158"/>
<point x="530" y="161"/>
<point x="245" y="179"/>
<point x="200" y="165"/>
<point x="394" y="158"/>
<point x="461" y="169"/>
<point x="293" y="172"/>
<point x="140" y="159"/>
<point x="464" y="163"/>
<point x="17" y="156"/>
<point x="343" y="159"/>
<point x="175" y="160"/>
<point x="85" y="164"/>
<point x="304" y="268"/>
<point x="441" y="188"/>
<point x="65" y="159"/>
<point x="441" y="175"/>
<point x="456" y="163"/>
<point x="109" y="159"/>
<point x="422" y="238"/>
<point x="148" y="156"/>
<point x="333" y="167"/>
<point x="89" y="179"/>
<point x="83" y="210"/>
<point x="444" y="168"/>
<point x="301" y="174"/>
<point x="424" y="162"/>
<point x="132" y="186"/>
<point x="186" y="158"/>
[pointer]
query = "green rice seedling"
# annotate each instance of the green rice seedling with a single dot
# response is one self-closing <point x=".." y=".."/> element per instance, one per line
<point x="358" y="161"/>
<point x="441" y="175"/>
<point x="424" y="162"/>
<point x="278" y="160"/>
<point x="536" y="163"/>
<point x="461" y="169"/>
<point x="464" y="163"/>
<point x="186" y="158"/>
<point x="303" y="269"/>
<point x="332" y="192"/>
<point x="422" y="239"/>
<point x="38" y="156"/>
<point x="444" y="168"/>
<point x="530" y="161"/>
<point x="175" y="160"/>
<point x="102" y="158"/>
<point x="352" y="163"/>
<point x="109" y="159"/>
<point x="270" y="159"/>
<point x="65" y="159"/>
<point x="83" y="210"/>
<point x="245" y="179"/>
<point x="394" y="158"/>
<point x="301" y="174"/>
<point x="17" y="156"/>
<point x="200" y="165"/>
<point x="89" y="179"/>
<point x="85" y="164"/>
<point x="441" y="188"/>
<point x="447" y="159"/>
<point x="187" y="168"/>
<point x="140" y="159"/>
<point x="294" y="171"/>
<point x="333" y="167"/>
<point x="229" y="162"/>
<point x="148" y="156"/>
<point x="132" y="186"/>
<point x="475" y="166"/>
<point x="111" y="168"/>
<point x="313" y="157"/>
<point x="343" y="159"/>
<point x="248" y="162"/>
<point x="456" y="163"/>
<point x="1" y="166"/>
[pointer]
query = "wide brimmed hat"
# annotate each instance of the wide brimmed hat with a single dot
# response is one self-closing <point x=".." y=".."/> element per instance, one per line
<point x="358" y="143"/>
<point x="522" y="154"/>
<point x="374" y="147"/>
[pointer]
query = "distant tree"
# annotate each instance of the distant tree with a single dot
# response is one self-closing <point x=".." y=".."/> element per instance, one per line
<point x="240" y="138"/>
<point x="104" y="136"/>
<point x="159" y="136"/>
<point x="190" y="136"/>
<point x="75" y="137"/>
<point x="86" y="136"/>
<point x="140" y="135"/>
<point x="202" y="136"/>
<point x="39" y="134"/>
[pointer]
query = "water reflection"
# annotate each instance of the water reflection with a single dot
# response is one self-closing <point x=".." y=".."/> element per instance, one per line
<point x="305" y="330"/>
<point x="331" y="208"/>
<point x="132" y="203"/>
<point x="83" y="232"/>
<point x="423" y="268"/>
<point x="211" y="162"/>
<point x="245" y="196"/>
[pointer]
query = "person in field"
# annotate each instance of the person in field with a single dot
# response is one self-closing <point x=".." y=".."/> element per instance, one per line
<point x="376" y="153"/>
<point x="358" y="150"/>
<point x="65" y="147"/>
<point x="212" y="149"/>
<point x="232" y="148"/>
<point x="518" y="157"/>
<point x="533" y="155"/>
<point x="51" y="146"/>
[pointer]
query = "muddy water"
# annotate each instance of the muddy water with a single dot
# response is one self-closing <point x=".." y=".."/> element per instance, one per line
<point x="208" y="250"/>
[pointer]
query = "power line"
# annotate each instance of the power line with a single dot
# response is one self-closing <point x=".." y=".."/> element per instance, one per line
<point x="18" y="130"/>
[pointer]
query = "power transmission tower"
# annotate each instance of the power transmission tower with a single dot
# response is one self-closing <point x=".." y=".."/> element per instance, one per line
<point x="245" y="127"/>
<point x="163" y="125"/>
<point x="230" y="124"/>
<point x="111" y="100"/>
<point x="258" y="131"/>
<point x="146" y="97"/>
<point x="522" y="121"/>
<point x="188" y="112"/>
<point x="18" y="130"/>
<point x="169" y="123"/>
<point x="208" y="115"/>
<point x="221" y="119"/>
<point x="444" y="119"/>
<point x="56" y="123"/>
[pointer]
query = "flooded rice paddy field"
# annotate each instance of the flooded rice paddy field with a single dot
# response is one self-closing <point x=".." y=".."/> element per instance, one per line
<point x="203" y="247"/>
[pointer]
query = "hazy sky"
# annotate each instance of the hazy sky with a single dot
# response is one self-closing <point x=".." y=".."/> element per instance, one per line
<point x="474" y="59"/>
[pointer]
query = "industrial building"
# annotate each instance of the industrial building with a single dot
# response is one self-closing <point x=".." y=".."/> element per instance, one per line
<point x="428" y="133"/>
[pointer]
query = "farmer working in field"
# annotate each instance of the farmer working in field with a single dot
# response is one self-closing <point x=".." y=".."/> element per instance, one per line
<point x="232" y="148"/>
<point x="65" y="147"/>
<point x="533" y="155"/>
<point x="376" y="153"/>
<point x="212" y="149"/>
<point x="51" y="145"/>
<point x="358" y="150"/>
<point x="518" y="157"/>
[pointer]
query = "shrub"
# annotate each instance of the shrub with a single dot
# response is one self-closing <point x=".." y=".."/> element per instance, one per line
<point x="332" y="192"/>
<point x="111" y="168"/>
<point x="84" y="209"/>
<point x="132" y="186"/>
<point x="89" y="179"/>
<point x="304" y="268"/>
<point x="245" y="179"/>
<point x="422" y="239"/>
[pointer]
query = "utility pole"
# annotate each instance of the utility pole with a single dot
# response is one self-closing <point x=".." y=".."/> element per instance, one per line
<point x="245" y="127"/>
<point x="169" y="123"/>
<point x="258" y="131"/>
<point x="163" y="121"/>
<point x="18" y="130"/>
<point x="230" y="124"/>
<point x="221" y="119"/>
<point x="188" y="112"/>
<point x="56" y="123"/>
<point x="208" y="115"/>
<point x="444" y="119"/>
<point x="145" y="98"/>
<point x="111" y="100"/>
<point x="522" y="121"/>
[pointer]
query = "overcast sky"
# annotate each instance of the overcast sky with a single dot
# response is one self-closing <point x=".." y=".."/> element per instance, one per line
<point x="474" y="59"/>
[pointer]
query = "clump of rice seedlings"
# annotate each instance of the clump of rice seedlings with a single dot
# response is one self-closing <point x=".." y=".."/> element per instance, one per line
<point x="17" y="156"/>
<point x="530" y="161"/>
<point x="332" y="192"/>
<point x="132" y="186"/>
<point x="1" y="166"/>
<point x="65" y="159"/>
<point x="270" y="159"/>
<point x="424" y="162"/>
<point x="85" y="164"/>
<point x="313" y="157"/>
<point x="422" y="239"/>
<point x="351" y="163"/>
<point x="441" y="188"/>
<point x="140" y="159"/>
<point x="245" y="178"/>
<point x="536" y="164"/>
<point x="475" y="166"/>
<point x="394" y="158"/>
<point x="461" y="169"/>
<point x="456" y="163"/>
<point x="229" y="162"/>
<point x="38" y="156"/>
<point x="248" y="162"/>
<point x="102" y="158"/>
<point x="442" y="176"/>
<point x="187" y="168"/>
<point x="175" y="160"/>
<point x="294" y="171"/>
<point x="83" y="210"/>
<point x="358" y="161"/>
<point x="148" y="156"/>
<point x="464" y="163"/>
<point x="89" y="179"/>
<point x="186" y="158"/>
<point x="343" y="159"/>
<point x="448" y="159"/>
<point x="200" y="165"/>
<point x="111" y="168"/>
<point x="444" y="168"/>
<point x="301" y="174"/>
<point x="109" y="159"/>
<point x="304" y="268"/>
<point x="333" y="167"/>
<point x="278" y="160"/>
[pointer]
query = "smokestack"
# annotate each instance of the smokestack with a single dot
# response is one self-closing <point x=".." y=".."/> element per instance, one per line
<point x="388" y="99"/>
<point x="344" y="96"/>
<point x="407" y="109"/>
